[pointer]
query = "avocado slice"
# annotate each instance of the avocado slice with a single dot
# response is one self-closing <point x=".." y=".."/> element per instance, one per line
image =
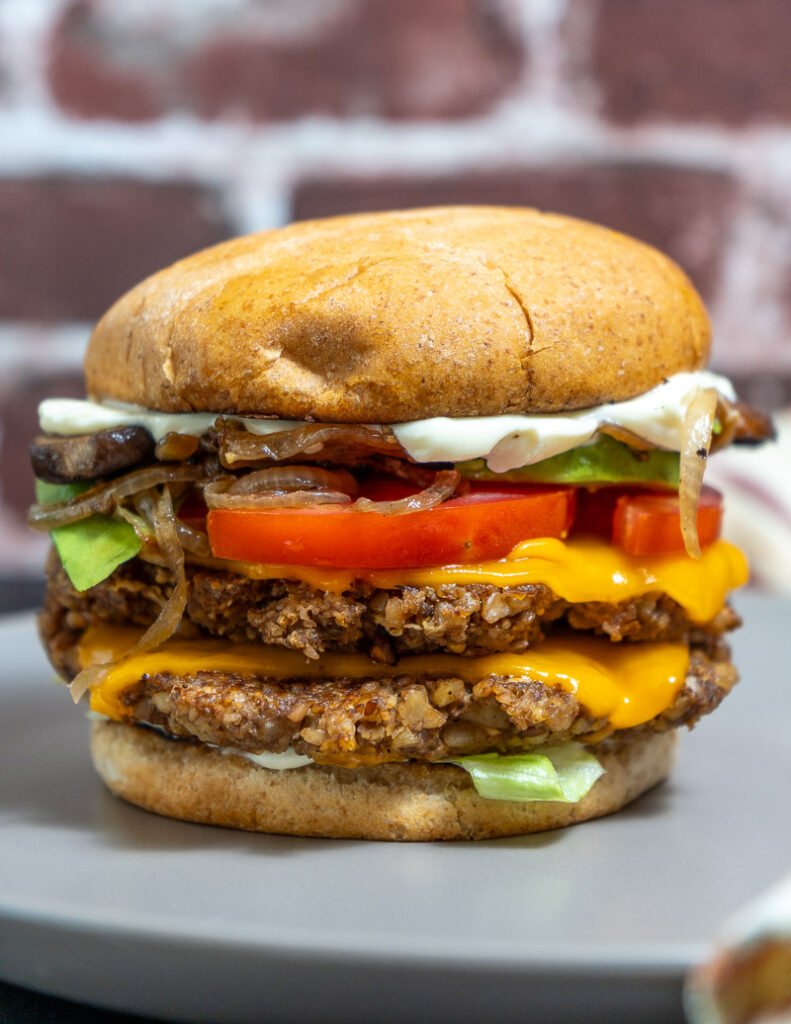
<point x="603" y="461"/>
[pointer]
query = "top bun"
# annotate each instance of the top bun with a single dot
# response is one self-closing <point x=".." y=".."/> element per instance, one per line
<point x="385" y="317"/>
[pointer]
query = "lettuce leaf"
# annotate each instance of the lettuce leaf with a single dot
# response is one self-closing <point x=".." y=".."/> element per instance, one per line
<point x="93" y="548"/>
<point x="564" y="773"/>
<point x="605" y="461"/>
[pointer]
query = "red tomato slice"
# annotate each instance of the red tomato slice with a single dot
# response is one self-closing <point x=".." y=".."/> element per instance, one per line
<point x="473" y="528"/>
<point x="649" y="524"/>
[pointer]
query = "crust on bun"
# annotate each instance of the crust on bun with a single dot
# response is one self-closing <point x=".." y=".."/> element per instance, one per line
<point x="387" y="317"/>
<point x="393" y="801"/>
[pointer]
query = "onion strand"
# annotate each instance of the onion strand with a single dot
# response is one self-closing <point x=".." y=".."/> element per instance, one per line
<point x="239" y="447"/>
<point x="281" y="487"/>
<point x="444" y="486"/>
<point x="105" y="497"/>
<point x="163" y="519"/>
<point x="696" y="442"/>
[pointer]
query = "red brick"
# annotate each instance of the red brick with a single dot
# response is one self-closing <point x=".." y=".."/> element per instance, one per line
<point x="390" y="58"/>
<point x="19" y="420"/>
<point x="90" y="81"/>
<point x="723" y="61"/>
<point x="683" y="212"/>
<point x="71" y="247"/>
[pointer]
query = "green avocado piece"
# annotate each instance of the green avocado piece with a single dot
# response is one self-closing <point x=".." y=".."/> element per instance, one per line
<point x="604" y="461"/>
<point x="93" y="548"/>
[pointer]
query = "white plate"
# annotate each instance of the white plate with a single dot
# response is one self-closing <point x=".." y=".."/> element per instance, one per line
<point x="103" y="903"/>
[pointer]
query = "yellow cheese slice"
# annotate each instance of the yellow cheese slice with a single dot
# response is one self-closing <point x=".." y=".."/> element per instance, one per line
<point x="578" y="570"/>
<point x="627" y="683"/>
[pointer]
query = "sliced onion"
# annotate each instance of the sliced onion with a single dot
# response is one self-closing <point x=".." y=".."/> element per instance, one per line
<point x="695" y="445"/>
<point x="294" y="478"/>
<point x="194" y="541"/>
<point x="105" y="497"/>
<point x="167" y="622"/>
<point x="238" y="446"/>
<point x="741" y="424"/>
<point x="444" y="486"/>
<point x="176" y="447"/>
<point x="414" y="472"/>
<point x="626" y="436"/>
<point x="216" y="495"/>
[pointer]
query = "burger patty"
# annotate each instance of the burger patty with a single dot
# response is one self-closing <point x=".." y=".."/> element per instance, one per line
<point x="352" y="723"/>
<point x="470" y="619"/>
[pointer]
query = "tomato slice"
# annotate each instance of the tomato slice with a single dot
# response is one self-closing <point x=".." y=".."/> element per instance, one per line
<point x="476" y="527"/>
<point x="649" y="523"/>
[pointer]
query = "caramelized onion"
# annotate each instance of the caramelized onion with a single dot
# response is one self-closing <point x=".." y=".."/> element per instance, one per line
<point x="160" y="510"/>
<point x="238" y="446"/>
<point x="444" y="486"/>
<point x="176" y="447"/>
<point x="194" y="541"/>
<point x="626" y="436"/>
<point x="740" y="423"/>
<point x="294" y="478"/>
<point x="218" y="495"/>
<point x="105" y="497"/>
<point x="696" y="442"/>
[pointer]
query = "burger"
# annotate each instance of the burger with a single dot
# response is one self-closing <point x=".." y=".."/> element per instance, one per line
<point x="393" y="526"/>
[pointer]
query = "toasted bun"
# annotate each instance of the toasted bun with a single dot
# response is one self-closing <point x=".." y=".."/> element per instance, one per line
<point x="457" y="311"/>
<point x="397" y="802"/>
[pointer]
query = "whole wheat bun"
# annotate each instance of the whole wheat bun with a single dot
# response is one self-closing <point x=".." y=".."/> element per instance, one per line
<point x="455" y="311"/>
<point x="394" y="802"/>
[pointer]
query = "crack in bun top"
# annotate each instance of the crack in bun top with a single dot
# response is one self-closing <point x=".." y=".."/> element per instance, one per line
<point x="455" y="311"/>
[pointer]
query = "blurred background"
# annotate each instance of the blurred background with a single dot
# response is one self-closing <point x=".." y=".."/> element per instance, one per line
<point x="133" y="132"/>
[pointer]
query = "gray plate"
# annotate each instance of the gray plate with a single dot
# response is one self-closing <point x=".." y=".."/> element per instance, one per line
<point x="106" y="904"/>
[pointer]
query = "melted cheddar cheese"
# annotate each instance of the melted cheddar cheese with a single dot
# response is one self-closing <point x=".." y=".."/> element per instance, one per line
<point x="578" y="570"/>
<point x="625" y="683"/>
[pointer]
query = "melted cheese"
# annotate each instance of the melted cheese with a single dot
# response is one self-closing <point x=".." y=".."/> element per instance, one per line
<point x="575" y="570"/>
<point x="625" y="683"/>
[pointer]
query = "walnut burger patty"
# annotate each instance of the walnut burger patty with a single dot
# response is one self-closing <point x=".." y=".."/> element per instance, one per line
<point x="462" y="619"/>
<point x="376" y="527"/>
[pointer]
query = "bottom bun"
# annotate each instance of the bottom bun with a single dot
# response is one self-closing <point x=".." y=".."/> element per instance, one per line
<point x="392" y="801"/>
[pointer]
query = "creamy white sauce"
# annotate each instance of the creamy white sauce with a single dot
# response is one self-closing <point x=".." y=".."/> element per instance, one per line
<point x="275" y="762"/>
<point x="506" y="442"/>
<point x="70" y="416"/>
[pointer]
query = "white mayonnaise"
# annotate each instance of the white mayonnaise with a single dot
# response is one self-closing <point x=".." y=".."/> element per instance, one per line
<point x="70" y="416"/>
<point x="506" y="442"/>
<point x="275" y="762"/>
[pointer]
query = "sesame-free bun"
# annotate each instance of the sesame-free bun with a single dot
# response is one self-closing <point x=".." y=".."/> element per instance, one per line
<point x="454" y="311"/>
<point x="193" y="782"/>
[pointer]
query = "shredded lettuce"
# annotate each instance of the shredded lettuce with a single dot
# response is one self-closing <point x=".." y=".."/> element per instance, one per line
<point x="564" y="773"/>
<point x="93" y="548"/>
<point x="605" y="461"/>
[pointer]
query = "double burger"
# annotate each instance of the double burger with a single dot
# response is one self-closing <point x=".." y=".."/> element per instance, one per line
<point x="393" y="526"/>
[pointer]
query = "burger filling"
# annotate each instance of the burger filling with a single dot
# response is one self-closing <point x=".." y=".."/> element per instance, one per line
<point x="360" y="594"/>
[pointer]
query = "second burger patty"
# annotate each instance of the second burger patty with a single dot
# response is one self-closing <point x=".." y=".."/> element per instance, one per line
<point x="470" y="619"/>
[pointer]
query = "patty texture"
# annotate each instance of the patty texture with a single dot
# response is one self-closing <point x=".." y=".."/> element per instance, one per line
<point x="353" y="723"/>
<point x="470" y="619"/>
<point x="362" y="722"/>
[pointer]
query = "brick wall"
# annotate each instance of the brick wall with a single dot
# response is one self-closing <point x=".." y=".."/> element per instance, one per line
<point x="133" y="132"/>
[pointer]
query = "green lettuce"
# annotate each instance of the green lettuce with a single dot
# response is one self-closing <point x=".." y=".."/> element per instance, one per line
<point x="93" y="548"/>
<point x="605" y="461"/>
<point x="564" y="773"/>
